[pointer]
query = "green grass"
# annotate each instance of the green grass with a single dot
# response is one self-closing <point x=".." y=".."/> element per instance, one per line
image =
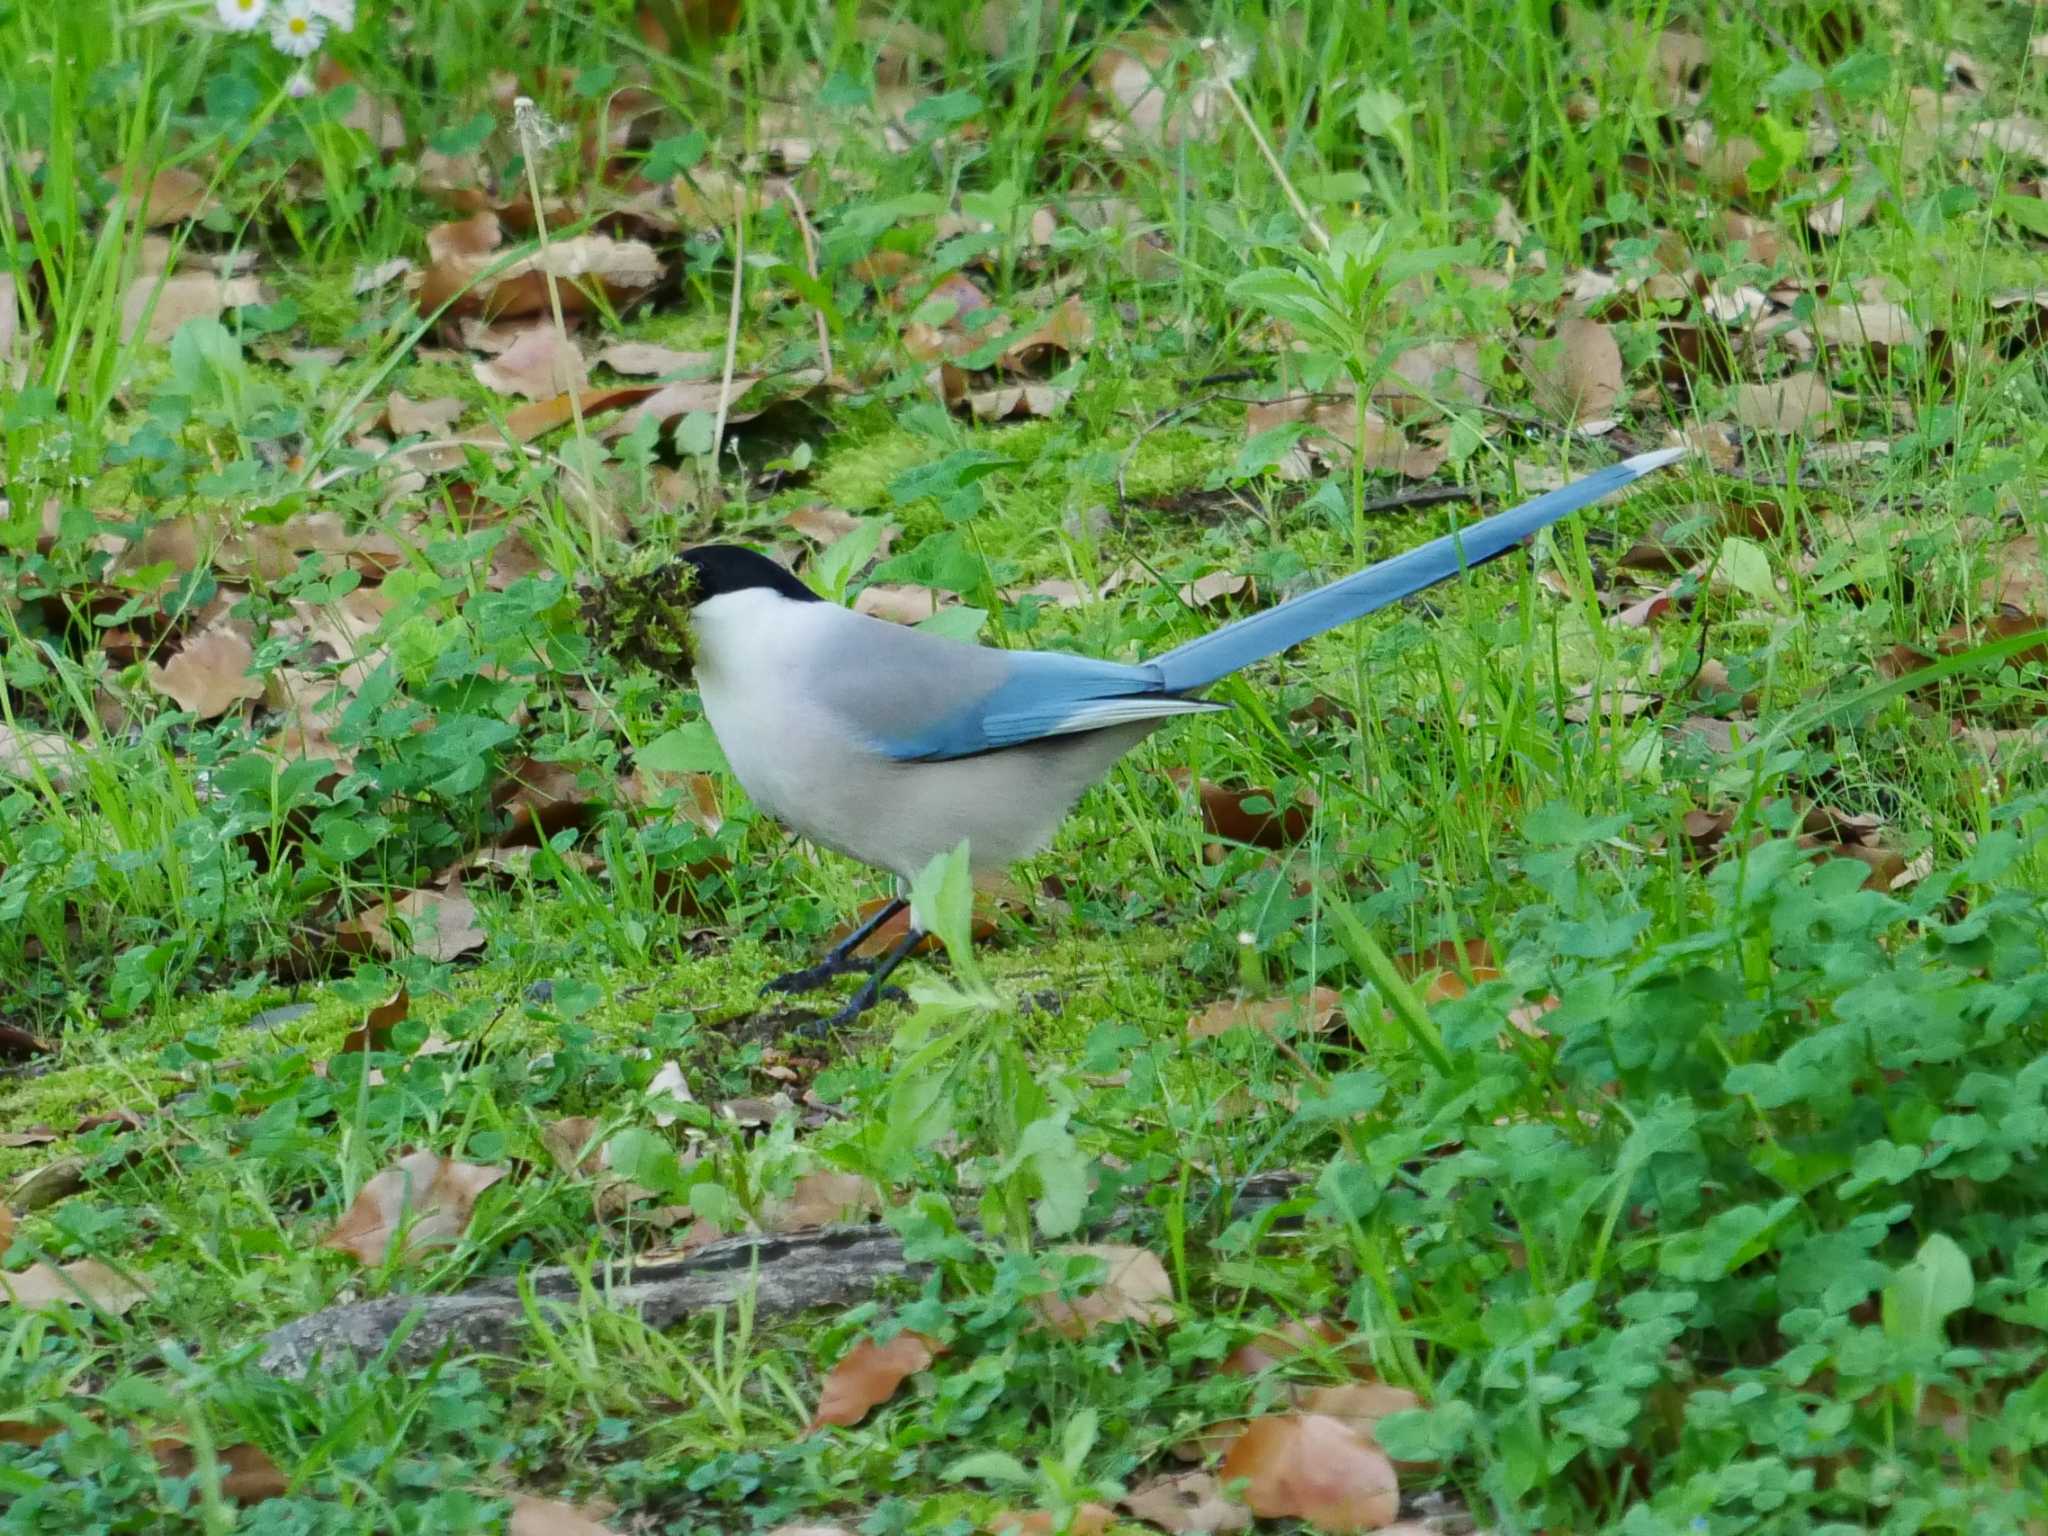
<point x="1749" y="1238"/>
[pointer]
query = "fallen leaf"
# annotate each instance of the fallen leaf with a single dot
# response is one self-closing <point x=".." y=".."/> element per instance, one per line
<point x="425" y="1195"/>
<point x="247" y="1474"/>
<point x="644" y="359"/>
<point x="1312" y="1468"/>
<point x="586" y="269"/>
<point x="1339" y="432"/>
<point x="1016" y="400"/>
<point x="46" y="1185"/>
<point x="1877" y="325"/>
<point x="82" y="1282"/>
<point x="34" y="1136"/>
<point x="1800" y="402"/>
<point x="374" y="1033"/>
<point x="1135" y="1290"/>
<point x="820" y="1199"/>
<point x="439" y="925"/>
<point x="175" y="195"/>
<point x="1358" y="1404"/>
<point x="868" y="1375"/>
<point x="1424" y="379"/>
<point x="1577" y="374"/>
<point x="1068" y="330"/>
<point x="1215" y="587"/>
<point x="670" y="403"/>
<point x="668" y="1082"/>
<point x="901" y="603"/>
<point x="1277" y="1016"/>
<point x="1187" y="1502"/>
<point x="540" y="364"/>
<point x="24" y="752"/>
<point x="1087" y="1520"/>
<point x="407" y="418"/>
<point x="156" y="306"/>
<point x="210" y="675"/>
<point x="1230" y="813"/>
<point x="551" y="1517"/>
<point x="2018" y="580"/>
<point x="2017" y="134"/>
<point x="1313" y="1335"/>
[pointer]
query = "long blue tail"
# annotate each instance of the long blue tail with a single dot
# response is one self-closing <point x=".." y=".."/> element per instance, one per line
<point x="1223" y="651"/>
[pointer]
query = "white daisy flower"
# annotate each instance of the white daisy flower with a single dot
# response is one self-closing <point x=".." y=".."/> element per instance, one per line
<point x="298" y="28"/>
<point x="240" y="15"/>
<point x="340" y="14"/>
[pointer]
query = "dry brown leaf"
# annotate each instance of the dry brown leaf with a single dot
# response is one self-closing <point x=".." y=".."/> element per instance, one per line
<point x="1016" y="400"/>
<point x="901" y="603"/>
<point x="823" y="525"/>
<point x="1876" y="324"/>
<point x="585" y="268"/>
<point x="1136" y="1290"/>
<point x="1800" y="402"/>
<point x="869" y="1374"/>
<point x="1312" y="1335"/>
<point x="428" y="1196"/>
<point x="551" y="1517"/>
<point x="1338" y="433"/>
<point x="45" y="1186"/>
<point x="1423" y="378"/>
<point x="210" y="675"/>
<point x="1314" y="1014"/>
<point x="1227" y="812"/>
<point x="1088" y="1520"/>
<point x="247" y="1474"/>
<point x="440" y="925"/>
<point x="644" y="359"/>
<point x="1159" y="96"/>
<point x="1359" y="1404"/>
<point x="24" y="752"/>
<point x="1215" y="587"/>
<point x="1577" y="374"/>
<point x="80" y="1283"/>
<point x="1069" y="330"/>
<point x="540" y="364"/>
<point x="2018" y="135"/>
<point x="2018" y="580"/>
<point x="175" y="195"/>
<point x="1312" y="1468"/>
<point x="186" y="296"/>
<point x="669" y="403"/>
<point x="1187" y="1502"/>
<point x="822" y="1198"/>
<point x="406" y="417"/>
<point x="374" y="1033"/>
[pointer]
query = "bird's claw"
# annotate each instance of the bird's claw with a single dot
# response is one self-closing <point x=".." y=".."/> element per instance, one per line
<point x="812" y="977"/>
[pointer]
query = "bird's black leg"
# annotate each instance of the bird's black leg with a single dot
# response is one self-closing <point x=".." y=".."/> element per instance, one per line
<point x="839" y="959"/>
<point x="872" y="991"/>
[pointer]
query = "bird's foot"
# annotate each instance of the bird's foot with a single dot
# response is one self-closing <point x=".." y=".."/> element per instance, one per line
<point x="867" y="997"/>
<point x="817" y="1028"/>
<point x="812" y="977"/>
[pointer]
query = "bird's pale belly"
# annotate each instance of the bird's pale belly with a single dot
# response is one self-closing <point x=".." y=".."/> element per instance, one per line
<point x="898" y="816"/>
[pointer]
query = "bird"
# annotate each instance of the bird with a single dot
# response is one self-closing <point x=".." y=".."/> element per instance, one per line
<point x="891" y="745"/>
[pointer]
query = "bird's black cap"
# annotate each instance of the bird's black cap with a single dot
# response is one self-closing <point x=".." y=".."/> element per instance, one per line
<point x="723" y="568"/>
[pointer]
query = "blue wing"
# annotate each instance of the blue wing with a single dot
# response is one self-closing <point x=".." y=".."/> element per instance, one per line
<point x="1045" y="693"/>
